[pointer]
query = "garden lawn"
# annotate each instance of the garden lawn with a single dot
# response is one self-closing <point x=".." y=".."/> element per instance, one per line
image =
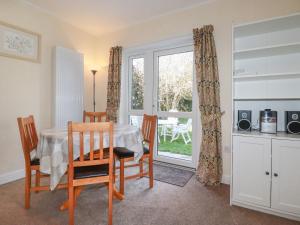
<point x="178" y="146"/>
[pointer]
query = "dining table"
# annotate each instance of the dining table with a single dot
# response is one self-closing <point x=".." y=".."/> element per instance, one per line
<point x="52" y="149"/>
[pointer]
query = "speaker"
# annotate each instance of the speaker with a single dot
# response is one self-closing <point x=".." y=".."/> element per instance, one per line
<point x="292" y="121"/>
<point x="244" y="120"/>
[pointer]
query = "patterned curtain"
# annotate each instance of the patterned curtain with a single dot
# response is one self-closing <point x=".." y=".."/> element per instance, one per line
<point x="209" y="170"/>
<point x="114" y="84"/>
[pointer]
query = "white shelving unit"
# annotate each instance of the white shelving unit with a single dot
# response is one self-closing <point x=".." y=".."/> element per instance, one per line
<point x="266" y="74"/>
<point x="266" y="60"/>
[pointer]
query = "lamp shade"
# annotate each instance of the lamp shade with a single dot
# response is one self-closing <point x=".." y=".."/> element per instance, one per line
<point x="94" y="72"/>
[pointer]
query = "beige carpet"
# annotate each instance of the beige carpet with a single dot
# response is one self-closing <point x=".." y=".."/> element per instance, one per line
<point x="165" y="204"/>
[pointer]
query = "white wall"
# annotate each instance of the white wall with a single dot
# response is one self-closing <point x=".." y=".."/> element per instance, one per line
<point x="25" y="87"/>
<point x="221" y="14"/>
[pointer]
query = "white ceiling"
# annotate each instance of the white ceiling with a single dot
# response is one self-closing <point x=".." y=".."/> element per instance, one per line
<point x="103" y="16"/>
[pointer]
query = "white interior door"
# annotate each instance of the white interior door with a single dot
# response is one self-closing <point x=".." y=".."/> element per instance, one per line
<point x="252" y="170"/>
<point x="68" y="87"/>
<point x="286" y="175"/>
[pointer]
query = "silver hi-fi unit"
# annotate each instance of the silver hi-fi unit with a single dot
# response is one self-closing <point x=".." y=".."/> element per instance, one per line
<point x="292" y="122"/>
<point x="268" y="121"/>
<point x="244" y="120"/>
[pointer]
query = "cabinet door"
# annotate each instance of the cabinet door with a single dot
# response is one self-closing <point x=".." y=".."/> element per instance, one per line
<point x="286" y="175"/>
<point x="252" y="170"/>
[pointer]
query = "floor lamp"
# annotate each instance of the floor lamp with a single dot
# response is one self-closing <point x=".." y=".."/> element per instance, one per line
<point x="94" y="101"/>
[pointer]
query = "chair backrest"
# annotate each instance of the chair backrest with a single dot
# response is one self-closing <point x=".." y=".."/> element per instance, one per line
<point x="148" y="130"/>
<point x="94" y="117"/>
<point x="28" y="136"/>
<point x="91" y="129"/>
<point x="189" y="123"/>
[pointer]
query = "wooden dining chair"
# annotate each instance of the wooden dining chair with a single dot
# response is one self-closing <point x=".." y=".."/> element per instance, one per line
<point x="125" y="155"/>
<point x="94" y="117"/>
<point x="29" y="141"/>
<point x="90" y="168"/>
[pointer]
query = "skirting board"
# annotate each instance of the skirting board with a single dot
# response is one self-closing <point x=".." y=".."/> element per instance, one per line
<point x="225" y="179"/>
<point x="11" y="176"/>
<point x="266" y="210"/>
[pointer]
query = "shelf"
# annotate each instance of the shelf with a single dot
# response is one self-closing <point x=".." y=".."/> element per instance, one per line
<point x="266" y="99"/>
<point x="268" y="51"/>
<point x="266" y="58"/>
<point x="267" y="26"/>
<point x="256" y="133"/>
<point x="267" y="76"/>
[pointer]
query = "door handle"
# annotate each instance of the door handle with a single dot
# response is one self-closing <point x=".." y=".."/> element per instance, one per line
<point x="267" y="173"/>
<point x="275" y="174"/>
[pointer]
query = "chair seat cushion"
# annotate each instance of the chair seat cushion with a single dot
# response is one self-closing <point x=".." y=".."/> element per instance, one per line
<point x="146" y="150"/>
<point x="35" y="162"/>
<point x="123" y="152"/>
<point x="91" y="171"/>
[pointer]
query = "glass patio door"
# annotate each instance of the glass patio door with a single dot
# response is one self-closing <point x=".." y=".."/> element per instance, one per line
<point x="160" y="82"/>
<point x="173" y="104"/>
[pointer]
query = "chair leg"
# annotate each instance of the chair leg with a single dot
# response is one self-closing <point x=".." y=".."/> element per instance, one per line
<point x="37" y="179"/>
<point x="141" y="162"/>
<point x="122" y="176"/>
<point x="71" y="205"/>
<point x="27" y="188"/>
<point x="110" y="202"/>
<point x="151" y="172"/>
<point x="114" y="171"/>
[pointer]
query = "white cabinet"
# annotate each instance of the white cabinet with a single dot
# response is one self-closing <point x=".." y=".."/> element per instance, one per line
<point x="266" y="75"/>
<point x="266" y="173"/>
<point x="286" y="175"/>
<point x="252" y="170"/>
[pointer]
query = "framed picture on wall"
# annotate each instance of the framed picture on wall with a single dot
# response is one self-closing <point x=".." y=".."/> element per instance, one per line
<point x="18" y="43"/>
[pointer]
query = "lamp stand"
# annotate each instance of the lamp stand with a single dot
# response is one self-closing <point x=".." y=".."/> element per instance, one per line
<point x="94" y="87"/>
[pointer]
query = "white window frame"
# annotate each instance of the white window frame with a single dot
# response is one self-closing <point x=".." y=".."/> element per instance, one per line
<point x="149" y="52"/>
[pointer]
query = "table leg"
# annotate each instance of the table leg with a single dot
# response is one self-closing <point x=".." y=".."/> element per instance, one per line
<point x="65" y="204"/>
<point x="78" y="190"/>
<point x="117" y="194"/>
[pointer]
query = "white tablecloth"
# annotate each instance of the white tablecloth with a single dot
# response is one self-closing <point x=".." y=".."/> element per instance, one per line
<point x="53" y="148"/>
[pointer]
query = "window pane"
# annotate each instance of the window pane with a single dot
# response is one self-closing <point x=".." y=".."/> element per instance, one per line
<point x="175" y="82"/>
<point x="137" y="84"/>
<point x="175" y="137"/>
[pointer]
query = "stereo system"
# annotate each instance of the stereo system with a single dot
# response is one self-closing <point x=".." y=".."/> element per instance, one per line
<point x="292" y="122"/>
<point x="268" y="121"/>
<point x="244" y="120"/>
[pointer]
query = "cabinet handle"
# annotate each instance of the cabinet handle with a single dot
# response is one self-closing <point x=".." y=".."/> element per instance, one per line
<point x="267" y="173"/>
<point x="275" y="174"/>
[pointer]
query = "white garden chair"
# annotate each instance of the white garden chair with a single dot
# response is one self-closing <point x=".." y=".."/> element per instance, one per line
<point x="183" y="131"/>
<point x="167" y="127"/>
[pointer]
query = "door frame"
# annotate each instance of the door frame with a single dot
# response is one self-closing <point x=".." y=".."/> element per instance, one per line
<point x="148" y="52"/>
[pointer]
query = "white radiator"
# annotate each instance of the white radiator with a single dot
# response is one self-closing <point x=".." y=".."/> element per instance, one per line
<point x="68" y="86"/>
